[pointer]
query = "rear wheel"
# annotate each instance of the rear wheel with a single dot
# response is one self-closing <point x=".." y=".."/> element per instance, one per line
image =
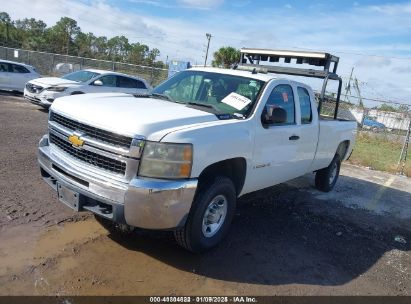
<point x="210" y="216"/>
<point x="326" y="178"/>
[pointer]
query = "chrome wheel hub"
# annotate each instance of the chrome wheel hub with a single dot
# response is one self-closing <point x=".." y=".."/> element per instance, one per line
<point x="214" y="216"/>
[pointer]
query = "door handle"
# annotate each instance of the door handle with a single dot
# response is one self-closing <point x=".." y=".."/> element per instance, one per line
<point x="294" y="137"/>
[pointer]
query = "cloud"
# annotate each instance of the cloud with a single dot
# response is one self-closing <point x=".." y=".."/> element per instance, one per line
<point x="373" y="62"/>
<point x="240" y="3"/>
<point x="156" y="3"/>
<point x="201" y="4"/>
<point x="392" y="9"/>
<point x="403" y="69"/>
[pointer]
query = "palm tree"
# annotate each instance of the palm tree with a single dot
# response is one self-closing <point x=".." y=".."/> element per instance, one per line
<point x="225" y="57"/>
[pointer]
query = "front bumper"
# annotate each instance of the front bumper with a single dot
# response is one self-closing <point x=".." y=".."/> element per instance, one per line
<point x="44" y="99"/>
<point x="144" y="203"/>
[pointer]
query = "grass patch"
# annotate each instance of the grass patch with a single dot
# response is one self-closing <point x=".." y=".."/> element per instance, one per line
<point x="378" y="153"/>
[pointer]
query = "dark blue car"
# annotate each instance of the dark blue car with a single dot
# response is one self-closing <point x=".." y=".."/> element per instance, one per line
<point x="373" y="124"/>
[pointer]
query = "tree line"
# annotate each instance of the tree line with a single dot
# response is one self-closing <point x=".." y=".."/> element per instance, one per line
<point x="66" y="37"/>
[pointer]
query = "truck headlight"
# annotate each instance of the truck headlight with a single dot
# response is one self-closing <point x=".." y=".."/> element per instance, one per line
<point x="166" y="160"/>
<point x="57" y="89"/>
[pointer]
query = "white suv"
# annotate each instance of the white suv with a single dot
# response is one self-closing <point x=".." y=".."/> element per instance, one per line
<point x="14" y="75"/>
<point x="44" y="91"/>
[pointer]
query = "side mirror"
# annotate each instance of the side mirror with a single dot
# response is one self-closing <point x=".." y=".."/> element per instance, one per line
<point x="98" y="83"/>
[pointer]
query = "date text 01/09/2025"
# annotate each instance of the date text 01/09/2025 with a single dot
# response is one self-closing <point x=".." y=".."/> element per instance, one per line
<point x="206" y="299"/>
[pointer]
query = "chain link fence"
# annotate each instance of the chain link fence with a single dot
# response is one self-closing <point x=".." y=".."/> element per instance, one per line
<point x="383" y="132"/>
<point x="48" y="64"/>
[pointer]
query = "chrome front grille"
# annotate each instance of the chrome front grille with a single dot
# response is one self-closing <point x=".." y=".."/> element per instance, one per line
<point x="104" y="153"/>
<point x="97" y="160"/>
<point x="92" y="132"/>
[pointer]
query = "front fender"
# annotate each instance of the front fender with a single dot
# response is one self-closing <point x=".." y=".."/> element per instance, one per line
<point x="216" y="142"/>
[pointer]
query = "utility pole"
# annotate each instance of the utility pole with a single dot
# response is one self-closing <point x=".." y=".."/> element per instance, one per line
<point x="208" y="46"/>
<point x="348" y="87"/>
<point x="357" y="88"/>
<point x="361" y="105"/>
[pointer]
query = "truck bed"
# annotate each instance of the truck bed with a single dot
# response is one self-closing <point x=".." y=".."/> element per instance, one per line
<point x="331" y="133"/>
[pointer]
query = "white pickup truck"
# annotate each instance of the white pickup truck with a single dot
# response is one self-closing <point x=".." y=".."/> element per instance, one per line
<point x="179" y="158"/>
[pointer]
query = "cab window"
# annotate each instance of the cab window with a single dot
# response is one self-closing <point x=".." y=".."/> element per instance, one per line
<point x="131" y="83"/>
<point x="4" y="67"/>
<point x="109" y="80"/>
<point x="279" y="109"/>
<point x="305" y="105"/>
<point x="18" y="69"/>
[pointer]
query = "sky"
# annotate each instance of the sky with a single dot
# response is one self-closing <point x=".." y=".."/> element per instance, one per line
<point x="374" y="37"/>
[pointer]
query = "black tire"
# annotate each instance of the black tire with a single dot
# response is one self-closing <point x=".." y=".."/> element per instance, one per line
<point x="112" y="227"/>
<point x="326" y="178"/>
<point x="191" y="236"/>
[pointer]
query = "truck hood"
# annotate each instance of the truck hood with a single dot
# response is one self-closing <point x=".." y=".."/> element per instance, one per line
<point x="128" y="115"/>
<point x="52" y="81"/>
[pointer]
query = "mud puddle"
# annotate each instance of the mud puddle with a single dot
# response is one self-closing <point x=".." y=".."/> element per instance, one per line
<point x="26" y="246"/>
<point x="82" y="259"/>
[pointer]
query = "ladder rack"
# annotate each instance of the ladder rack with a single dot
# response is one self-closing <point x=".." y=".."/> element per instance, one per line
<point x="263" y="61"/>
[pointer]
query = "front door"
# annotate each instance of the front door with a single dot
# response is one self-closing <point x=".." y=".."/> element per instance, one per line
<point x="106" y="84"/>
<point x="277" y="139"/>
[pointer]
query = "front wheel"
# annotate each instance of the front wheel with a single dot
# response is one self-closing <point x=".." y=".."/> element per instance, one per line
<point x="326" y="178"/>
<point x="210" y="216"/>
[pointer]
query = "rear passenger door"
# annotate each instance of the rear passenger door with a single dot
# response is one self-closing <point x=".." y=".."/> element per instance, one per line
<point x="19" y="75"/>
<point x="4" y="76"/>
<point x="308" y="128"/>
<point x="130" y="85"/>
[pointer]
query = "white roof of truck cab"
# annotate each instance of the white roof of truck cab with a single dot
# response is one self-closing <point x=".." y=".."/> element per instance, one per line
<point x="259" y="76"/>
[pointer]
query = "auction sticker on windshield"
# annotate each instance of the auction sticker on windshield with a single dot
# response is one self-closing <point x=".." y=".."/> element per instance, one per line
<point x="236" y="101"/>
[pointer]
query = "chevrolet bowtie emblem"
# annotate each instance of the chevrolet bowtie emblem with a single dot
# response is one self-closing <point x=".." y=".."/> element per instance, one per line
<point x="75" y="140"/>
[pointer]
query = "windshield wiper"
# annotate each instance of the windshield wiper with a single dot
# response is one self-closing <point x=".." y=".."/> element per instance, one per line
<point x="203" y="105"/>
<point x="142" y="95"/>
<point x="225" y="116"/>
<point x="163" y="96"/>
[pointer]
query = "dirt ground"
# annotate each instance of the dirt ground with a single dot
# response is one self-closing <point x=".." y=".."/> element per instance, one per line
<point x="286" y="240"/>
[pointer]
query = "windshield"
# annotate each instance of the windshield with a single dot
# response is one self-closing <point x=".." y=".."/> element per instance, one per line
<point x="226" y="96"/>
<point x="80" y="76"/>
